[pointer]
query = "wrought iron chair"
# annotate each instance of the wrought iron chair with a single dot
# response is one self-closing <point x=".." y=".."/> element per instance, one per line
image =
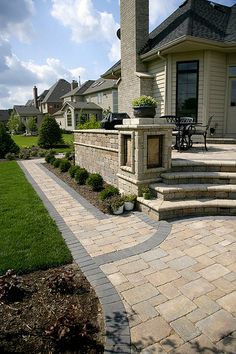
<point x="199" y="129"/>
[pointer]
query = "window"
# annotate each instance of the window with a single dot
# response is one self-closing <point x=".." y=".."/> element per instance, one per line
<point x="99" y="97"/>
<point x="187" y="89"/>
<point x="232" y="71"/>
<point x="115" y="100"/>
<point x="233" y="93"/>
<point x="69" y="118"/>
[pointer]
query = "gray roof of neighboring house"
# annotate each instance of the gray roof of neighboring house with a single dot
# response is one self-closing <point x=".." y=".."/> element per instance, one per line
<point x="4" y="115"/>
<point x="60" y="88"/>
<point x="197" y="18"/>
<point x="101" y="85"/>
<point x="42" y="95"/>
<point x="26" y="110"/>
<point x="29" y="103"/>
<point x="79" y="90"/>
<point x="82" y="105"/>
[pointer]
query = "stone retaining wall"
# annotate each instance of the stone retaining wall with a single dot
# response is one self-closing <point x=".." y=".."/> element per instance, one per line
<point x="97" y="151"/>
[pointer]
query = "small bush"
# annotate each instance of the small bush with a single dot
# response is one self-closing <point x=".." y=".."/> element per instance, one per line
<point x="95" y="181"/>
<point x="24" y="154"/>
<point x="108" y="192"/>
<point x="52" y="160"/>
<point x="70" y="155"/>
<point x="81" y="176"/>
<point x="11" y="288"/>
<point x="10" y="156"/>
<point x="62" y="282"/>
<point x="49" y="157"/>
<point x="64" y="165"/>
<point x="72" y="170"/>
<point x="92" y="123"/>
<point x="42" y="153"/>
<point x="7" y="144"/>
<point x="56" y="163"/>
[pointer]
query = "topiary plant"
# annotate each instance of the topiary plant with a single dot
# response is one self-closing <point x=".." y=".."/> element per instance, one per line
<point x="144" y="101"/>
<point x="7" y="144"/>
<point x="72" y="170"/>
<point x="81" y="176"/>
<point x="95" y="181"/>
<point x="49" y="133"/>
<point x="108" y="192"/>
<point x="56" y="163"/>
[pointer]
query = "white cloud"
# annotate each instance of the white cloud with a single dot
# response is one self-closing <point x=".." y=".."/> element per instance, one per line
<point x="87" y="23"/>
<point x="160" y="10"/>
<point x="15" y="19"/>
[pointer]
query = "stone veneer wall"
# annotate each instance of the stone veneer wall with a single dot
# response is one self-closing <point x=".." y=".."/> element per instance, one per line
<point x="97" y="151"/>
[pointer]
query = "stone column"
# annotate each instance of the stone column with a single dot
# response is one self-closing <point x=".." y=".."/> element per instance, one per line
<point x="144" y="153"/>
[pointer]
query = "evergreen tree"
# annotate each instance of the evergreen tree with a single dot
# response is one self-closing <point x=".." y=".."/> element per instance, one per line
<point x="49" y="132"/>
<point x="7" y="144"/>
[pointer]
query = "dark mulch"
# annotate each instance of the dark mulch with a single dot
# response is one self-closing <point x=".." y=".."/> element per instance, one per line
<point x="52" y="319"/>
<point x="84" y="190"/>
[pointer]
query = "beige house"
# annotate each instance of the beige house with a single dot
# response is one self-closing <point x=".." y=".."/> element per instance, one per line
<point x="81" y="102"/>
<point x="188" y="63"/>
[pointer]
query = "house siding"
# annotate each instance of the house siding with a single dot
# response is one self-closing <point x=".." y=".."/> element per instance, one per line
<point x="217" y="90"/>
<point x="106" y="99"/>
<point x="158" y="70"/>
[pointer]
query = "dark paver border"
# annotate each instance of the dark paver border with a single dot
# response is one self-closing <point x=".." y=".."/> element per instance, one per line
<point x="116" y="321"/>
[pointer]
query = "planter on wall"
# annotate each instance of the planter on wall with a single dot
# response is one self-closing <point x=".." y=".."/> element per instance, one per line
<point x="129" y="206"/>
<point x="144" y="111"/>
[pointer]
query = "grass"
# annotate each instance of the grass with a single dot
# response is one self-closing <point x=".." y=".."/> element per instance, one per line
<point x="27" y="141"/>
<point x="29" y="238"/>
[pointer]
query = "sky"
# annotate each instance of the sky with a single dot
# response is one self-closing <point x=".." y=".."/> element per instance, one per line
<point x="42" y="41"/>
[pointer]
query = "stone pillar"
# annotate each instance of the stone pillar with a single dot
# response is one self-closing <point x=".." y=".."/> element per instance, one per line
<point x="144" y="153"/>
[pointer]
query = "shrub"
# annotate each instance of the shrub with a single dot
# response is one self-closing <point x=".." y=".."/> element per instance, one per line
<point x="81" y="176"/>
<point x="92" y="123"/>
<point x="10" y="156"/>
<point x="49" y="132"/>
<point x="7" y="144"/>
<point x="95" y="181"/>
<point x="11" y="288"/>
<point x="70" y="155"/>
<point x="64" y="165"/>
<point x="24" y="154"/>
<point x="56" y="163"/>
<point x="108" y="192"/>
<point x="21" y="128"/>
<point x="49" y="156"/>
<point x="115" y="202"/>
<point x="62" y="282"/>
<point x="52" y="160"/>
<point x="72" y="170"/>
<point x="144" y="101"/>
<point x="130" y="198"/>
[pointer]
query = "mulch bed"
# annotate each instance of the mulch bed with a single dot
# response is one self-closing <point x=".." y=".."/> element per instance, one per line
<point x="58" y="313"/>
<point x="84" y="190"/>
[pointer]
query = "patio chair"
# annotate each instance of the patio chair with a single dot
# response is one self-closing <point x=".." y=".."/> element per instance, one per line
<point x="199" y="129"/>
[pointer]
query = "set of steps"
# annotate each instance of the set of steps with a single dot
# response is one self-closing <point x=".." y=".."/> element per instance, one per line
<point x="193" y="188"/>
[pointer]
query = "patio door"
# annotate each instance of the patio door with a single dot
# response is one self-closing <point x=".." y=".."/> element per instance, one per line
<point x="231" y="120"/>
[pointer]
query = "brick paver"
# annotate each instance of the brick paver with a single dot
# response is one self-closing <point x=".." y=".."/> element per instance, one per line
<point x="179" y="295"/>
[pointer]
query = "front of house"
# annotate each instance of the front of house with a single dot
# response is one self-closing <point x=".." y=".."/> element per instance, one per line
<point x="188" y="63"/>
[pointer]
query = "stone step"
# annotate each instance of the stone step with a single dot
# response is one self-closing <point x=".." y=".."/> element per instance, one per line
<point x="181" y="165"/>
<point x="199" y="177"/>
<point x="191" y="191"/>
<point x="163" y="210"/>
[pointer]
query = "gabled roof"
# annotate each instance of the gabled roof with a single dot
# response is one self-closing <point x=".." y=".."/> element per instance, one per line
<point x="101" y="85"/>
<point x="79" y="90"/>
<point x="4" y="115"/>
<point x="195" y="18"/>
<point x="42" y="95"/>
<point x="26" y="110"/>
<point x="60" y="88"/>
<point x="29" y="103"/>
<point x="81" y="105"/>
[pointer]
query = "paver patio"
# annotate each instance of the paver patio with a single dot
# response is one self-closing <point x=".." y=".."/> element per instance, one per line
<point x="179" y="293"/>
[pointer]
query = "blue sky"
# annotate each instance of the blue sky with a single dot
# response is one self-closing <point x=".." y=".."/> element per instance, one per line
<point x="44" y="40"/>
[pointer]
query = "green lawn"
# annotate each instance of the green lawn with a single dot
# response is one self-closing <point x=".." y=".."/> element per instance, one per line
<point x="27" y="141"/>
<point x="29" y="238"/>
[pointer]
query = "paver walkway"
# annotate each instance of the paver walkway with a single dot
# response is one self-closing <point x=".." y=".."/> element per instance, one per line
<point x="176" y="281"/>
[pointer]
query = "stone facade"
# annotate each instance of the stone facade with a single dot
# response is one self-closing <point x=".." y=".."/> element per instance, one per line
<point x="97" y="151"/>
<point x="134" y="35"/>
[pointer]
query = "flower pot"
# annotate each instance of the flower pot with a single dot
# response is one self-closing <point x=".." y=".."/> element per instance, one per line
<point x="118" y="211"/>
<point x="144" y="111"/>
<point x="129" y="206"/>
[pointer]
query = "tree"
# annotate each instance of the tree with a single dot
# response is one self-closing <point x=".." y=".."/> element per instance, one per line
<point x="7" y="144"/>
<point x="13" y="123"/>
<point x="31" y="125"/>
<point x="49" y="132"/>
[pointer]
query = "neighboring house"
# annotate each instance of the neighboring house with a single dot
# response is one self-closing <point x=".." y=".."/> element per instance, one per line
<point x="4" y="116"/>
<point x="50" y="101"/>
<point x="81" y="102"/>
<point x="26" y="112"/>
<point x="188" y="63"/>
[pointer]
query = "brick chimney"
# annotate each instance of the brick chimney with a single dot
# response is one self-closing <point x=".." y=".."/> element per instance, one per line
<point x="74" y="84"/>
<point x="35" y="96"/>
<point x="134" y="16"/>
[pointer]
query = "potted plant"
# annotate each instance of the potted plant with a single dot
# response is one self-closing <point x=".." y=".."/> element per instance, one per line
<point x="129" y="201"/>
<point x="144" y="107"/>
<point x="146" y="193"/>
<point x="117" y="205"/>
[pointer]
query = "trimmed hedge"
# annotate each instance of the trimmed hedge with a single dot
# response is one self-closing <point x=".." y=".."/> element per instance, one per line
<point x="81" y="176"/>
<point x="95" y="181"/>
